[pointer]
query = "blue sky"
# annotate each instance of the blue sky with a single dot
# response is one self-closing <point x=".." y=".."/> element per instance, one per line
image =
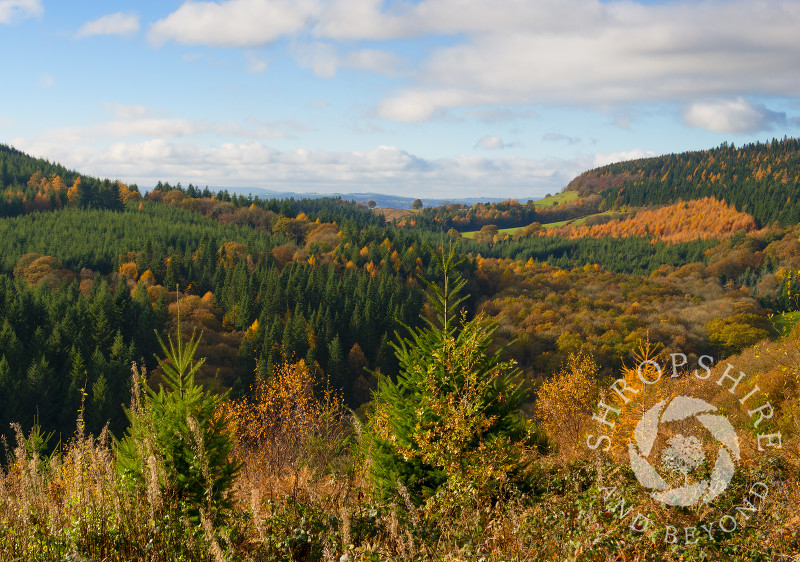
<point x="436" y="98"/>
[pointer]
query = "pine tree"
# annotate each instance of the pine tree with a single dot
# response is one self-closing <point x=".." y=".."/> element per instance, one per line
<point x="7" y="391"/>
<point x="100" y="405"/>
<point x="449" y="427"/>
<point x="178" y="428"/>
<point x="78" y="377"/>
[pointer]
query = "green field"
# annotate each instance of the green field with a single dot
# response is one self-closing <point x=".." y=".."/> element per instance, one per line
<point x="472" y="233"/>
<point x="575" y="222"/>
<point x="558" y="198"/>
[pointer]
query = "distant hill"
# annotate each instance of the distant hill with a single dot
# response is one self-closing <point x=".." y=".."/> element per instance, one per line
<point x="381" y="200"/>
<point x="761" y="179"/>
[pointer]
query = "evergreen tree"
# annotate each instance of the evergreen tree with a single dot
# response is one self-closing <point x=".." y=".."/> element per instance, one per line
<point x="99" y="411"/>
<point x="77" y="380"/>
<point x="7" y="392"/>
<point x="178" y="427"/>
<point x="336" y="365"/>
<point x="449" y="427"/>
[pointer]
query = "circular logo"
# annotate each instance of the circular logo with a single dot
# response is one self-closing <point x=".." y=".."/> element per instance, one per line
<point x="683" y="454"/>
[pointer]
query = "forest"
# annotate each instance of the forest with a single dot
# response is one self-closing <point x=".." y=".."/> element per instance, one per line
<point x="310" y="324"/>
<point x="760" y="179"/>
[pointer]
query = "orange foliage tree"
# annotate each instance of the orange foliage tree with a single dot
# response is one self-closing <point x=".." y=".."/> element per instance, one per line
<point x="680" y="222"/>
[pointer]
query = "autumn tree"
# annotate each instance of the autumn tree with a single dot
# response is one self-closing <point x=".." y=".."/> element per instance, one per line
<point x="277" y="422"/>
<point x="564" y="402"/>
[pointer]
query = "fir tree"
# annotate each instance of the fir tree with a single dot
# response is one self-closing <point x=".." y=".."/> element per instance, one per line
<point x="178" y="429"/>
<point x="449" y="426"/>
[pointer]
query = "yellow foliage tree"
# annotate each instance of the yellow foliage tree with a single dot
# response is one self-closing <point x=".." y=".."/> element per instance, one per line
<point x="148" y="278"/>
<point x="274" y="427"/>
<point x="72" y="192"/>
<point x="130" y="270"/>
<point x="645" y="358"/>
<point x="564" y="403"/>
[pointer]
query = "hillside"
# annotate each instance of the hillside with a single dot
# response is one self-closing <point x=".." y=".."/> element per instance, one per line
<point x="761" y="179"/>
<point x="699" y="219"/>
<point x="301" y="311"/>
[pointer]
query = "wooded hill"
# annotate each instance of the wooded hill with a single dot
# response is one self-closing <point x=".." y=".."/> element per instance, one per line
<point x="761" y="179"/>
<point x="89" y="268"/>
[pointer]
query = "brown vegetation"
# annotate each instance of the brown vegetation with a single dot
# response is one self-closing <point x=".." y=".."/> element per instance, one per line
<point x="681" y="222"/>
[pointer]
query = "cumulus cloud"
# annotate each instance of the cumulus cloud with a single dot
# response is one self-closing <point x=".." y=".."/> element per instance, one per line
<point x="614" y="53"/>
<point x="236" y="23"/>
<point x="386" y="169"/>
<point x="501" y="114"/>
<point x="374" y="60"/>
<point x="420" y="105"/>
<point x="125" y="25"/>
<point x="735" y="116"/>
<point x="565" y="52"/>
<point x="325" y="60"/>
<point x="605" y="158"/>
<point x="490" y="142"/>
<point x="12" y="11"/>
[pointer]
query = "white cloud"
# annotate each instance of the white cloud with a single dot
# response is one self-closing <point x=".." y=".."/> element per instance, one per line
<point x="419" y="105"/>
<point x="490" y="142"/>
<point x="521" y="53"/>
<point x="501" y="114"/>
<point x="322" y="58"/>
<point x="137" y="121"/>
<point x="12" y="11"/>
<point x="732" y="116"/>
<point x="612" y="54"/>
<point x="365" y="19"/>
<point x="374" y="60"/>
<point x="235" y="23"/>
<point x="604" y="158"/>
<point x="125" y="25"/>
<point x="386" y="169"/>
<point x="325" y="60"/>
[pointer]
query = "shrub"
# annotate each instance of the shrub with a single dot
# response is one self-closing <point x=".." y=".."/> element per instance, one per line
<point x="284" y="422"/>
<point x="564" y="403"/>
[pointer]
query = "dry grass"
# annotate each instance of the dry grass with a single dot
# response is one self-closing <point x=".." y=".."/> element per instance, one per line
<point x="302" y="496"/>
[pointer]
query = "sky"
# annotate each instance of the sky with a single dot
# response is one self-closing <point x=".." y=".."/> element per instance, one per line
<point x="424" y="98"/>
